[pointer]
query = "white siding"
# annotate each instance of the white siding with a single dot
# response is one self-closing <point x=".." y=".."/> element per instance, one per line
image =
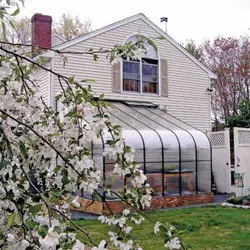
<point x="187" y="82"/>
<point x="42" y="80"/>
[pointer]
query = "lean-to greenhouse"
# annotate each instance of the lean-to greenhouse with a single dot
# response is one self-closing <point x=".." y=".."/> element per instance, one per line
<point x="175" y="157"/>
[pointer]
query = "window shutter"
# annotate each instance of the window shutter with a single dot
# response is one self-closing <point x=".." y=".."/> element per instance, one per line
<point x="116" y="77"/>
<point x="164" y="78"/>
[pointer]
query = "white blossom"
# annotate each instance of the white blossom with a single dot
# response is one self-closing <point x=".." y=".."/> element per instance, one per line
<point x="50" y="241"/>
<point x="127" y="245"/>
<point x="11" y="238"/>
<point x="113" y="239"/>
<point x="102" y="218"/>
<point x="137" y="221"/>
<point x="157" y="227"/>
<point x="127" y="229"/>
<point x="23" y="245"/>
<point x="101" y="246"/>
<point x="75" y="202"/>
<point x="173" y="244"/>
<point x="121" y="221"/>
<point x="78" y="245"/>
<point x="139" y="179"/>
<point x="125" y="212"/>
<point x="45" y="220"/>
<point x="146" y="200"/>
<point x="129" y="157"/>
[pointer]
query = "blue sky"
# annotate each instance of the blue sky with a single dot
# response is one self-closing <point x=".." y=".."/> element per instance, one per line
<point x="196" y="19"/>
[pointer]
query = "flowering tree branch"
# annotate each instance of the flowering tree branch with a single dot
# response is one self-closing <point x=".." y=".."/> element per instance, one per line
<point x="42" y="138"/>
<point x="47" y="156"/>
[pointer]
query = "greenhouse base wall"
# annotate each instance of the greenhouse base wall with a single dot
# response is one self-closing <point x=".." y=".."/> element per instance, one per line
<point x="98" y="207"/>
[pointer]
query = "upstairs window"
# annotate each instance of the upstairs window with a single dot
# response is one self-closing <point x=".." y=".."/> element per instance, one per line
<point x="141" y="76"/>
<point x="145" y="75"/>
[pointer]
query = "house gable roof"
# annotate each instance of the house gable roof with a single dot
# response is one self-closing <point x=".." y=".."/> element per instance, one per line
<point x="57" y="40"/>
<point x="128" y="20"/>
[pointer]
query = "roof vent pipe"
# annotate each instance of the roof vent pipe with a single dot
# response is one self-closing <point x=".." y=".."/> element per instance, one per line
<point x="165" y="20"/>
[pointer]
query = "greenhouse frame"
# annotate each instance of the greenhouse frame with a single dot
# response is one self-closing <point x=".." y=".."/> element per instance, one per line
<point x="176" y="157"/>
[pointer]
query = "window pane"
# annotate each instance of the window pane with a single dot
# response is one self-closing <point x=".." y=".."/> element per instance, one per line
<point x="149" y="76"/>
<point x="149" y="70"/>
<point x="130" y="85"/>
<point x="131" y="67"/>
<point x="151" y="52"/>
<point x="154" y="167"/>
<point x="149" y="79"/>
<point x="149" y="87"/>
<point x="131" y="76"/>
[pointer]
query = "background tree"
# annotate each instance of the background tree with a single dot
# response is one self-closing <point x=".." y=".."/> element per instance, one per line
<point x="21" y="32"/>
<point x="193" y="49"/>
<point x="70" y="27"/>
<point x="229" y="59"/>
<point x="242" y="119"/>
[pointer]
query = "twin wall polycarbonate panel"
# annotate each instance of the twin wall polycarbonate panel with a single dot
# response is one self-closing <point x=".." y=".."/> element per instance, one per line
<point x="167" y="142"/>
<point x="148" y="148"/>
<point x="186" y="141"/>
<point x="201" y="140"/>
<point x="204" y="176"/>
<point x="169" y="139"/>
<point x="203" y="151"/>
<point x="132" y="137"/>
<point x="152" y="142"/>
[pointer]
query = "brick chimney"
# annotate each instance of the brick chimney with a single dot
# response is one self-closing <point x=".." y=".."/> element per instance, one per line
<point x="41" y="32"/>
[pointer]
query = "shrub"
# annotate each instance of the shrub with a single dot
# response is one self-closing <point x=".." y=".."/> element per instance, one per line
<point x="235" y="200"/>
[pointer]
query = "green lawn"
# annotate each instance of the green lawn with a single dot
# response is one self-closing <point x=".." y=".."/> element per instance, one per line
<point x="203" y="228"/>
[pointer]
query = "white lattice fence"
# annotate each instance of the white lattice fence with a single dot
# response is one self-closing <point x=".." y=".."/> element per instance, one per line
<point x="218" y="139"/>
<point x="243" y="137"/>
<point x="221" y="160"/>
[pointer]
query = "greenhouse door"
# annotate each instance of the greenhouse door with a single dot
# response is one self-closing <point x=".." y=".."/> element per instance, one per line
<point x="242" y="160"/>
<point x="220" y="142"/>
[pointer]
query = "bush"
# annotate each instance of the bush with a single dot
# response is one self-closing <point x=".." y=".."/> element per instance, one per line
<point x="235" y="200"/>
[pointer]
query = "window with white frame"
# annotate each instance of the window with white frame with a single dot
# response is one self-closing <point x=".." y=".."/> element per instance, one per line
<point x="141" y="76"/>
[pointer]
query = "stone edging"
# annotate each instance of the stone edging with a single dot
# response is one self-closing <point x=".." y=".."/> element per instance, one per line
<point x="226" y="204"/>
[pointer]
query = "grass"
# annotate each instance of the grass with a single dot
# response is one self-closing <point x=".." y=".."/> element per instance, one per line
<point x="202" y="228"/>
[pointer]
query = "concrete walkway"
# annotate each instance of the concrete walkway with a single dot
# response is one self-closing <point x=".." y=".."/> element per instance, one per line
<point x="221" y="198"/>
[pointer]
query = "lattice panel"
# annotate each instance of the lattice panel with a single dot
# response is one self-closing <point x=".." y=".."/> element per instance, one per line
<point x="217" y="139"/>
<point x="244" y="137"/>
